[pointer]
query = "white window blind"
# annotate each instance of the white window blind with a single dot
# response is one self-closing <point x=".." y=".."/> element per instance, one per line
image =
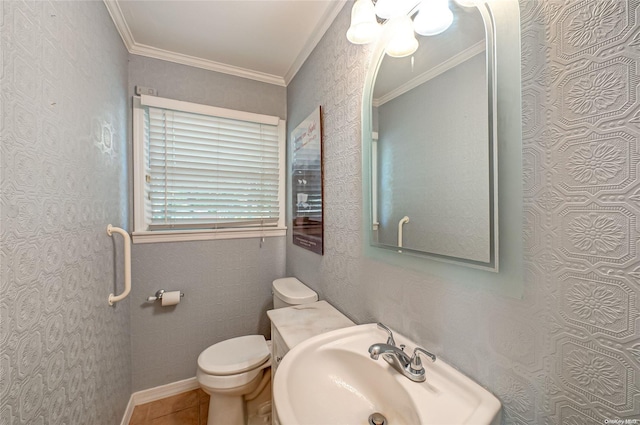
<point x="210" y="172"/>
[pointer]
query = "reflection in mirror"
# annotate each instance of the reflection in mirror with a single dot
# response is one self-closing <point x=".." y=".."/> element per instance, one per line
<point x="433" y="146"/>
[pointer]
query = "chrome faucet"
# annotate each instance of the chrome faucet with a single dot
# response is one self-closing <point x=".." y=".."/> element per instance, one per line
<point x="390" y="340"/>
<point x="411" y="367"/>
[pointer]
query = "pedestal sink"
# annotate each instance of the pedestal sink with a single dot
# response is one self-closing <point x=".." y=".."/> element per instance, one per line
<point x="330" y="379"/>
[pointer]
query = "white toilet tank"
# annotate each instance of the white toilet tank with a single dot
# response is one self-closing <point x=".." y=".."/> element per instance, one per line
<point x="289" y="291"/>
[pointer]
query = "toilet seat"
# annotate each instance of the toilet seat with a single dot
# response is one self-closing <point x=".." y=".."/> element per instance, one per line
<point x="235" y="355"/>
<point x="228" y="382"/>
<point x="234" y="362"/>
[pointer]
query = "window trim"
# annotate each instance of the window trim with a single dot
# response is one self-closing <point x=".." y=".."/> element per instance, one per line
<point x="140" y="233"/>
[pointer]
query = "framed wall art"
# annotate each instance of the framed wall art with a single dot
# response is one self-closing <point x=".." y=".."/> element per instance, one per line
<point x="306" y="184"/>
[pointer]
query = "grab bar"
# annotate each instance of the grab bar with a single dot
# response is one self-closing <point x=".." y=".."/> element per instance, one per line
<point x="127" y="263"/>
<point x="401" y="223"/>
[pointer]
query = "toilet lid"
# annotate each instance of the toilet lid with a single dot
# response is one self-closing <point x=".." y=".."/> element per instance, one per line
<point x="292" y="291"/>
<point x="234" y="355"/>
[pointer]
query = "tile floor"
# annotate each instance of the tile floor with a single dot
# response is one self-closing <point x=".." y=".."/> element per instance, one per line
<point x="188" y="408"/>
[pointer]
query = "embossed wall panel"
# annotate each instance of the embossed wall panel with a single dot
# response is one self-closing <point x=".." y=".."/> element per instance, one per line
<point x="64" y="353"/>
<point x="568" y="352"/>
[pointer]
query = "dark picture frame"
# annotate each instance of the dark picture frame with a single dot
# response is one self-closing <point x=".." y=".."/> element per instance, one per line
<point x="307" y="183"/>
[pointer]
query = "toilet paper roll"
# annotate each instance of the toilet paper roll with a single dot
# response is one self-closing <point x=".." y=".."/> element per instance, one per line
<point x="170" y="298"/>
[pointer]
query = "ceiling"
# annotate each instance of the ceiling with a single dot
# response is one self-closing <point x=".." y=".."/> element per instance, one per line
<point x="264" y="40"/>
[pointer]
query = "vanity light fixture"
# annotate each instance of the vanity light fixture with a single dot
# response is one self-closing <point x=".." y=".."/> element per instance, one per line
<point x="430" y="17"/>
<point x="403" y="41"/>
<point x="364" y="26"/>
<point x="434" y="17"/>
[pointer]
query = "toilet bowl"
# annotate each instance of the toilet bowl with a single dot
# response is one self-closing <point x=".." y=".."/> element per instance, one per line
<point x="239" y="369"/>
<point x="228" y="371"/>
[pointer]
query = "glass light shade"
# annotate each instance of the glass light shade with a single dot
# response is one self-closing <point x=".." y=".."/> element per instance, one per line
<point x="387" y="9"/>
<point x="433" y="18"/>
<point x="364" y="26"/>
<point x="402" y="41"/>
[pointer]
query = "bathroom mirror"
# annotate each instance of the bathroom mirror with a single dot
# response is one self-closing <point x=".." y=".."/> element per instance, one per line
<point x="432" y="139"/>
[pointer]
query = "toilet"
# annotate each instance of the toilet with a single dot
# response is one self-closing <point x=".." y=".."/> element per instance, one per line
<point x="237" y="372"/>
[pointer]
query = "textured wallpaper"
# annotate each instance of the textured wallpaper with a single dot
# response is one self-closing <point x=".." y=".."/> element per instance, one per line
<point x="568" y="352"/>
<point x="64" y="352"/>
<point x="227" y="283"/>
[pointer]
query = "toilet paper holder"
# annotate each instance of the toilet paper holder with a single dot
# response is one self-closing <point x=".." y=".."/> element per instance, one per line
<point x="158" y="296"/>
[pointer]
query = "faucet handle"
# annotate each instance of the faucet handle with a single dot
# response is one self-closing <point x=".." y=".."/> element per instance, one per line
<point x="416" y="362"/>
<point x="390" y="340"/>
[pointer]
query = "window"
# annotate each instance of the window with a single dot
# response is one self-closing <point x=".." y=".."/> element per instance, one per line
<point x="202" y="172"/>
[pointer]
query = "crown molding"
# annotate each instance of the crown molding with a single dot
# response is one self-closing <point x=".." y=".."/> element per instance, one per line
<point x="121" y="24"/>
<point x="324" y="24"/>
<point x="431" y="73"/>
<point x="167" y="55"/>
<point x="153" y="52"/>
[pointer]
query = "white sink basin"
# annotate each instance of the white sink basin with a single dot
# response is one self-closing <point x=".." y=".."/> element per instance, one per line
<point x="330" y="379"/>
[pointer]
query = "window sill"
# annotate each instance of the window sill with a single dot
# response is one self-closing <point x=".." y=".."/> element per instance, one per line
<point x="204" y="235"/>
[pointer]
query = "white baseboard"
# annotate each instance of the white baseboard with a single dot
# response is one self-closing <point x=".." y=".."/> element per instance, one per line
<point x="157" y="393"/>
<point x="128" y="412"/>
<point x="163" y="391"/>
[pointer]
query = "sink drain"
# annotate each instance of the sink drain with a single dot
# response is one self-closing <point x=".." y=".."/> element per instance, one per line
<point x="377" y="419"/>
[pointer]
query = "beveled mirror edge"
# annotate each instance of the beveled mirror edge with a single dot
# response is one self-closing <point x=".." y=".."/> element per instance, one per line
<point x="508" y="280"/>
